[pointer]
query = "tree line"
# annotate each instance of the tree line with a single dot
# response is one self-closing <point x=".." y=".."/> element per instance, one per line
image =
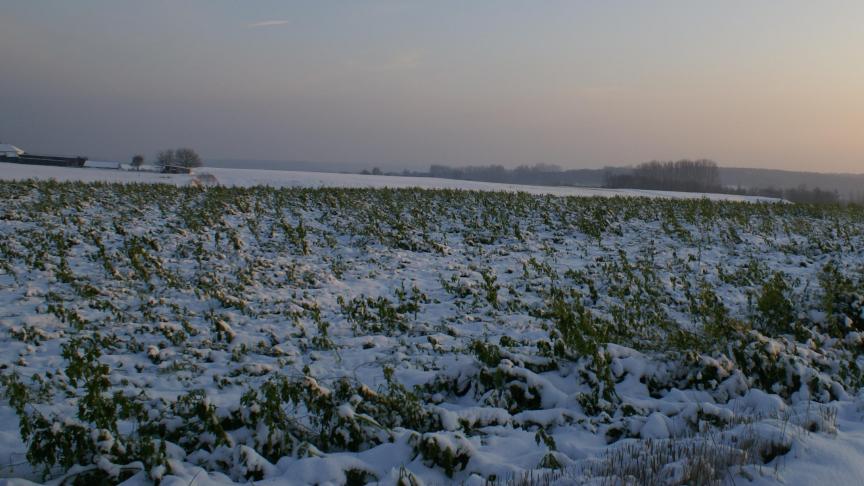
<point x="681" y="175"/>
<point x="701" y="175"/>
<point x="704" y="176"/>
<point x="181" y="157"/>
<point x="538" y="174"/>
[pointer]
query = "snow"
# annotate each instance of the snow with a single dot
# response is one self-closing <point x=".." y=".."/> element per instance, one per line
<point x="10" y="171"/>
<point x="655" y="427"/>
<point x="279" y="178"/>
<point x="229" y="292"/>
<point x="833" y="459"/>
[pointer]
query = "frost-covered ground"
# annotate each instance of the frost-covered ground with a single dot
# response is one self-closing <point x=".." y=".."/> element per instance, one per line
<point x="283" y="178"/>
<point x="300" y="336"/>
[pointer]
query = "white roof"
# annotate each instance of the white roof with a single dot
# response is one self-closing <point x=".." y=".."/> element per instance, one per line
<point x="98" y="164"/>
<point x="6" y="148"/>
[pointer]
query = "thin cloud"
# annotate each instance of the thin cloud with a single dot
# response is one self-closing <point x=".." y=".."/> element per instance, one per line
<point x="268" y="23"/>
<point x="404" y="60"/>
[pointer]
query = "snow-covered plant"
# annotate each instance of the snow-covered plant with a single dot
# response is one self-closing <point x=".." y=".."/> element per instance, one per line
<point x="776" y="312"/>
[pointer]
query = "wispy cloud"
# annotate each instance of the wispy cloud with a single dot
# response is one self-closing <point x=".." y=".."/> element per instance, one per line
<point x="404" y="60"/>
<point x="268" y="23"/>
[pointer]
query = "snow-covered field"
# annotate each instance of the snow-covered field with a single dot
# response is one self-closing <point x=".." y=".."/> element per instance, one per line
<point x="311" y="335"/>
<point x="282" y="178"/>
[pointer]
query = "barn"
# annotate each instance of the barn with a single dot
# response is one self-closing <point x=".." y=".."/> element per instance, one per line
<point x="13" y="154"/>
<point x="7" y="150"/>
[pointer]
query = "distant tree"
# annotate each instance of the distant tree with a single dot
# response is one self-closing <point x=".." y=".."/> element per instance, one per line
<point x="186" y="157"/>
<point x="166" y="157"/>
<point x="682" y="175"/>
<point x="137" y="161"/>
<point x="376" y="171"/>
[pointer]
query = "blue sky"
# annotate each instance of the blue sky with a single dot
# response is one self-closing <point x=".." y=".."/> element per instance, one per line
<point x="775" y="84"/>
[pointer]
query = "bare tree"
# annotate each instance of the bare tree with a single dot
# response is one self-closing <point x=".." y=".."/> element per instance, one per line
<point x="137" y="161"/>
<point x="186" y="157"/>
<point x="165" y="158"/>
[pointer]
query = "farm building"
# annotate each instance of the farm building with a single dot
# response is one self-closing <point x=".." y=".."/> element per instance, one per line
<point x="7" y="150"/>
<point x="176" y="169"/>
<point x="11" y="153"/>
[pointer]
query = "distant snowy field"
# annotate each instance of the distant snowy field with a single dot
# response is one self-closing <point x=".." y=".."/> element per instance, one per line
<point x="280" y="178"/>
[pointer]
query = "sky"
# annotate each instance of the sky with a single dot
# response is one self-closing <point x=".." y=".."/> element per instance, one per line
<point x="405" y="84"/>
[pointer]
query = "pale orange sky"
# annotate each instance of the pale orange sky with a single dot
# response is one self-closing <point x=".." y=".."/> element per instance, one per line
<point x="402" y="83"/>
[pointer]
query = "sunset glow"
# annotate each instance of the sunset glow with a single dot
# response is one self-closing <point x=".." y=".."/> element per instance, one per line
<point x="775" y="84"/>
